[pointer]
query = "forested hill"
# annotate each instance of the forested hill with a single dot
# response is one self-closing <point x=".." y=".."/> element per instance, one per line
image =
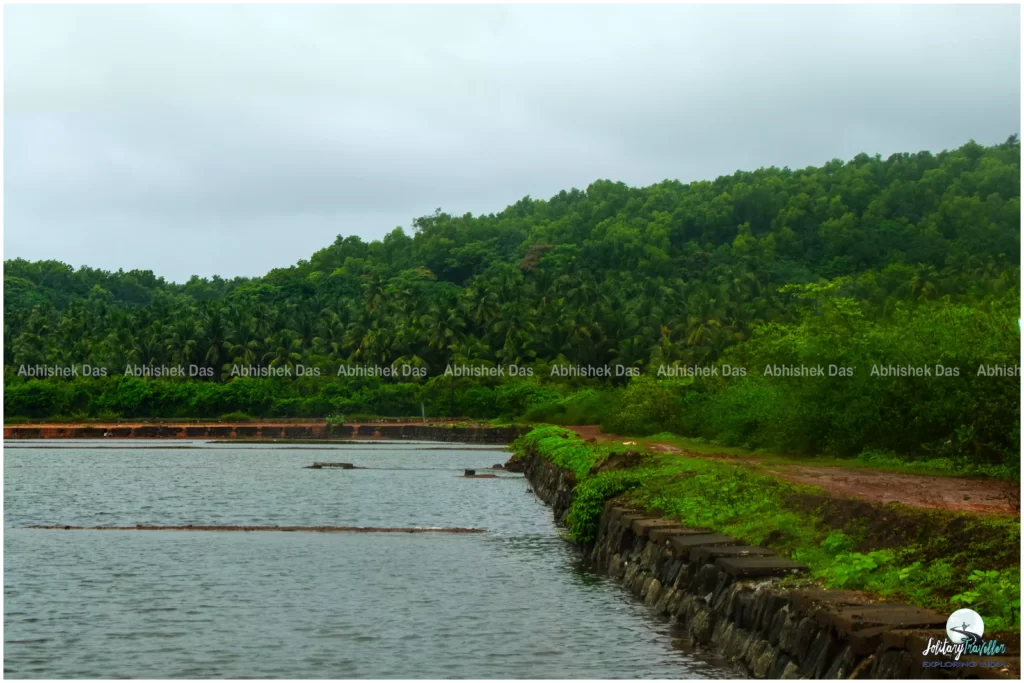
<point x="671" y="273"/>
<point x="611" y="274"/>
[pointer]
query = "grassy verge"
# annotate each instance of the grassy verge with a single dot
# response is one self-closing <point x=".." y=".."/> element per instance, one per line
<point x="930" y="558"/>
<point x="875" y="460"/>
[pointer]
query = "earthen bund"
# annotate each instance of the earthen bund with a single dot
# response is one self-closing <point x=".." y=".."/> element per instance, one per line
<point x="730" y="598"/>
<point x="311" y="431"/>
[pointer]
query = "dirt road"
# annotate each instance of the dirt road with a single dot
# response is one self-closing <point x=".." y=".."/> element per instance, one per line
<point x="877" y="486"/>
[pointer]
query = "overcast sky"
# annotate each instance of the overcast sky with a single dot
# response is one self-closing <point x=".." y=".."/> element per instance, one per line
<point x="230" y="139"/>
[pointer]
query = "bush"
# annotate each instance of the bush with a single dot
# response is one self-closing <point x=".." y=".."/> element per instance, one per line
<point x="646" y="406"/>
<point x="516" y="398"/>
<point x="590" y="497"/>
<point x="584" y="407"/>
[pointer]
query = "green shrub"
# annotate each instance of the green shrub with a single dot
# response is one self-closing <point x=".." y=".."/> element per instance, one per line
<point x="995" y="593"/>
<point x="590" y="497"/>
<point x="584" y="407"/>
<point x="852" y="570"/>
<point x="837" y="542"/>
<point x="646" y="406"/>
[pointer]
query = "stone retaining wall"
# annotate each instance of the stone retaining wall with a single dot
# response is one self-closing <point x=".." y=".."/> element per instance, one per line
<point x="727" y="596"/>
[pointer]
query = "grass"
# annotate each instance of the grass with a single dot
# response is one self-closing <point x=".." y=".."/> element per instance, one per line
<point x="874" y="460"/>
<point x="933" y="559"/>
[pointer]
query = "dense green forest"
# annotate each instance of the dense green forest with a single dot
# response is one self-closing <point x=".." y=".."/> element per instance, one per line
<point x="912" y="260"/>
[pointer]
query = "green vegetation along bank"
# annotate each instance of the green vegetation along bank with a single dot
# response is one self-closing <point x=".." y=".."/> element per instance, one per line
<point x="932" y="559"/>
<point x="899" y="265"/>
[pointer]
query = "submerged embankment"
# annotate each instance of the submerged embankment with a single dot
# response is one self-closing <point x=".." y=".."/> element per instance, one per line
<point x="779" y="579"/>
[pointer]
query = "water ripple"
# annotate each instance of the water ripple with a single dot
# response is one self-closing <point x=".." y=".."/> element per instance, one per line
<point x="511" y="603"/>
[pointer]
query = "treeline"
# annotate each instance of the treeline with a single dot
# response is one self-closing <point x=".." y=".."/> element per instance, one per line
<point x="116" y="397"/>
<point x="951" y="412"/>
<point x="823" y="264"/>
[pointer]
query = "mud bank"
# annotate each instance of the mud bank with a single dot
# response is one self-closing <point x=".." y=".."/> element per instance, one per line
<point x="312" y="431"/>
<point x="730" y="598"/>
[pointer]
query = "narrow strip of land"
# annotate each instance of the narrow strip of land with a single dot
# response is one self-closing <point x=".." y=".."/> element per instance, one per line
<point x="467" y="432"/>
<point x="381" y="444"/>
<point x="956" y="494"/>
<point x="232" y="527"/>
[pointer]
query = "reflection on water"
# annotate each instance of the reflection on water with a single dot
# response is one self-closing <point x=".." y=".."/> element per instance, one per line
<point x="510" y="603"/>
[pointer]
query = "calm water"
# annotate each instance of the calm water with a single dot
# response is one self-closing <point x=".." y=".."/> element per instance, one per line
<point x="509" y="603"/>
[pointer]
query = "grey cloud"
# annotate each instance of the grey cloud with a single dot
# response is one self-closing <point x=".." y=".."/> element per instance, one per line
<point x="234" y="139"/>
